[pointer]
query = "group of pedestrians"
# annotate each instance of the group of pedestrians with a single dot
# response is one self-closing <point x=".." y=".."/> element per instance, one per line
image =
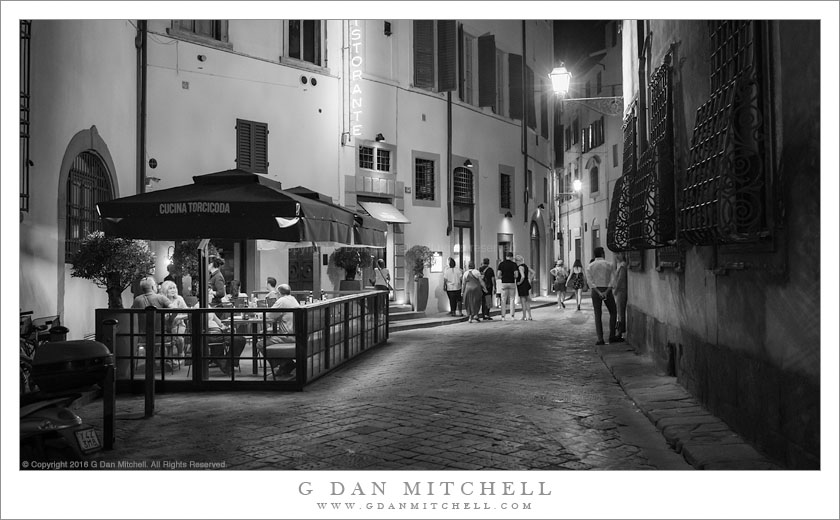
<point x="608" y="286"/>
<point x="473" y="290"/>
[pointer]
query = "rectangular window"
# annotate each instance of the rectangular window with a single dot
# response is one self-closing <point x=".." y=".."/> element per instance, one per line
<point x="304" y="41"/>
<point x="544" y="87"/>
<point x="383" y="160"/>
<point x="515" y="85"/>
<point x="251" y="146"/>
<point x="575" y="131"/>
<point x="424" y="179"/>
<point x="568" y="137"/>
<point x="366" y="157"/>
<point x="529" y="184"/>
<point x="530" y="98"/>
<point x="210" y="29"/>
<point x="505" y="191"/>
<point x="545" y="190"/>
<point x="594" y="185"/>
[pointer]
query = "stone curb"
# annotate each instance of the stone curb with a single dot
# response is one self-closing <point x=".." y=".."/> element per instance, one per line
<point x="435" y="321"/>
<point x="705" y="441"/>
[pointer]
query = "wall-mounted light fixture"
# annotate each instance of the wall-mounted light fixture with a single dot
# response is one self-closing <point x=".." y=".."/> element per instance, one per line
<point x="468" y="163"/>
<point x="379" y="138"/>
<point x="541" y="206"/>
<point x="201" y="57"/>
<point x="152" y="180"/>
<point x="508" y="215"/>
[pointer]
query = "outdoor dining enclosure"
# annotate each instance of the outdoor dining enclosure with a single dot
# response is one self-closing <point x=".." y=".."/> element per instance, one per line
<point x="327" y="333"/>
<point x="239" y="205"/>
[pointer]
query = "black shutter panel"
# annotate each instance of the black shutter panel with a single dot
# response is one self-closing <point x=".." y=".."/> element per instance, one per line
<point x="461" y="62"/>
<point x="515" y="85"/>
<point x="243" y="145"/>
<point x="424" y="57"/>
<point x="447" y="49"/>
<point x="544" y="108"/>
<point x="260" y="148"/>
<point x="529" y="98"/>
<point x="487" y="71"/>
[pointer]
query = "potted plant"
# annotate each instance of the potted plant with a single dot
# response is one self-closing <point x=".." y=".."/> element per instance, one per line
<point x="112" y="263"/>
<point x="351" y="259"/>
<point x="418" y="259"/>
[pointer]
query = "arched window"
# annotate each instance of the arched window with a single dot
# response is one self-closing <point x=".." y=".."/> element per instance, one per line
<point x="593" y="179"/>
<point x="88" y="183"/>
<point x="463" y="187"/>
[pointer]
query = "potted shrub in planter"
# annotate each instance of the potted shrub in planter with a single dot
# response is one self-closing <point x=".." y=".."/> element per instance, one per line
<point x="113" y="263"/>
<point x="351" y="259"/>
<point x="418" y="258"/>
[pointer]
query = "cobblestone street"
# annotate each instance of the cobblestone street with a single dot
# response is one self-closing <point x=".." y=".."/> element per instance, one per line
<point x="500" y="395"/>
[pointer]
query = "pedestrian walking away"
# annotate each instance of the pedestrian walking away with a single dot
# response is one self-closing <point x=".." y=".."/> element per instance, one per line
<point x="452" y="280"/>
<point x="508" y="272"/>
<point x="523" y="287"/>
<point x="576" y="282"/>
<point x="472" y="292"/>
<point x="599" y="276"/>
<point x="560" y="275"/>
<point x="382" y="277"/>
<point x="488" y="276"/>
<point x="620" y="293"/>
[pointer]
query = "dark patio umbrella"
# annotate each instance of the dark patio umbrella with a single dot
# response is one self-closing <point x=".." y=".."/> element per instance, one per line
<point x="235" y="204"/>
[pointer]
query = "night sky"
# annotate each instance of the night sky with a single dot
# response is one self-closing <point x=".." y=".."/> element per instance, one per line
<point x="574" y="39"/>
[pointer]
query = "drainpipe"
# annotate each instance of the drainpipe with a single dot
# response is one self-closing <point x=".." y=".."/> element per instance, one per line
<point x="525" y="128"/>
<point x="140" y="42"/>
<point x="449" y="162"/>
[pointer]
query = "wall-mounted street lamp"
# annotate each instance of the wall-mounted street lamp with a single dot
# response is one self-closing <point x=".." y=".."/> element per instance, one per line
<point x="508" y="215"/>
<point x="561" y="80"/>
<point x="468" y="163"/>
<point x="379" y="138"/>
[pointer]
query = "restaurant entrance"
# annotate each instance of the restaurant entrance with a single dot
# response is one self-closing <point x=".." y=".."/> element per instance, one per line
<point x="301" y="269"/>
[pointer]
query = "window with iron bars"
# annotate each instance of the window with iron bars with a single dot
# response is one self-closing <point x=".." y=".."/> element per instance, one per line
<point x="424" y="179"/>
<point x="88" y="184"/>
<point x="463" y="187"/>
<point x="505" y="191"/>
<point x="366" y="157"/>
<point x="722" y="204"/>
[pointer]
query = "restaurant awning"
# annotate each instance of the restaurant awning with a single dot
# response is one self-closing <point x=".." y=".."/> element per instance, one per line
<point x="385" y="212"/>
<point x="238" y="205"/>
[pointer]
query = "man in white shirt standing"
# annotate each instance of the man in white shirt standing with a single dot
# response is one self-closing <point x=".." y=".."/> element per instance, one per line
<point x="282" y="357"/>
<point x="599" y="276"/>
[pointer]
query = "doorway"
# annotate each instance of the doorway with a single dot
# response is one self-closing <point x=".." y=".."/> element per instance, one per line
<point x="578" y="251"/>
<point x="301" y="268"/>
<point x="535" y="256"/>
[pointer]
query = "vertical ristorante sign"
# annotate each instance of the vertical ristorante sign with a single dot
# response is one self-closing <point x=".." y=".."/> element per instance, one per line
<point x="355" y="78"/>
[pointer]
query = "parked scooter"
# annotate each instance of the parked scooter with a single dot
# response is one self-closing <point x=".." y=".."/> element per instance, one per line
<point x="62" y="371"/>
<point x="50" y="431"/>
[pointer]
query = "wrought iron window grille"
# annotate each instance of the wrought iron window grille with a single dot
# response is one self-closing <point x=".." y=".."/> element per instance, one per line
<point x="728" y="182"/>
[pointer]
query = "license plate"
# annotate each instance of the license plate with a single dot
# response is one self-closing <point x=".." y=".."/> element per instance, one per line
<point x="88" y="440"/>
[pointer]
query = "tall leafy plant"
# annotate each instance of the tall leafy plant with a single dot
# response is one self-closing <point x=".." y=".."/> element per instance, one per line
<point x="419" y="257"/>
<point x="351" y="259"/>
<point x="112" y="263"/>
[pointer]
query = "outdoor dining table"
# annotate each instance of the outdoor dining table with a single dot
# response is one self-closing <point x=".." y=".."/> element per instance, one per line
<point x="255" y="330"/>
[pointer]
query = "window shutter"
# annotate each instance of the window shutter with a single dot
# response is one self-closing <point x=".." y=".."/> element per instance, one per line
<point x="424" y="57"/>
<point x="529" y="98"/>
<point x="487" y="71"/>
<point x="544" y="108"/>
<point x="260" y="148"/>
<point x="447" y="49"/>
<point x="243" y="145"/>
<point x="461" y="62"/>
<point x="515" y="85"/>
